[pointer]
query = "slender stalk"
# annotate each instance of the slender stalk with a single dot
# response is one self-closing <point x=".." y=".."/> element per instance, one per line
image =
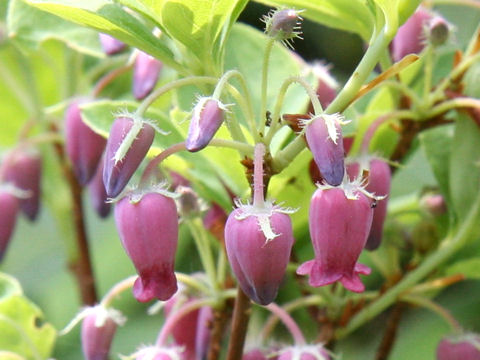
<point x="427" y="78"/>
<point x="449" y="247"/>
<point x="258" y="198"/>
<point x="390" y="334"/>
<point x="118" y="288"/>
<point x="263" y="103"/>
<point x="462" y="102"/>
<point x="241" y="316"/>
<point x="108" y="78"/>
<point x="289" y="323"/>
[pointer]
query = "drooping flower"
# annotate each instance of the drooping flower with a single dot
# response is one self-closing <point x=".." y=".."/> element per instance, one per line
<point x="378" y="183"/>
<point x="98" y="330"/>
<point x="208" y="116"/>
<point x="304" y="352"/>
<point x="158" y="353"/>
<point x="324" y="138"/>
<point x="120" y="163"/>
<point x="9" y="204"/>
<point x="147" y="223"/>
<point x="145" y="74"/>
<point x="459" y="347"/>
<point x="111" y="45"/>
<point x="98" y="195"/>
<point x="339" y="220"/>
<point x="23" y="168"/>
<point x="83" y="146"/>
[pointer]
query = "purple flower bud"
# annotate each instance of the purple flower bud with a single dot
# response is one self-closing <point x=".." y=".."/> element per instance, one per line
<point x="207" y="117"/>
<point x="305" y="352"/>
<point x="324" y="138"/>
<point x="459" y="347"/>
<point x="283" y="24"/>
<point x="116" y="174"/>
<point x="148" y="228"/>
<point x="98" y="329"/>
<point x="8" y="217"/>
<point x="410" y="38"/>
<point x="438" y="31"/>
<point x="159" y="353"/>
<point x="254" y="354"/>
<point x="145" y="74"/>
<point x="339" y="222"/>
<point x="202" y="339"/>
<point x="84" y="147"/>
<point x="379" y="180"/>
<point x="259" y="263"/>
<point x="111" y="45"/>
<point x="23" y="168"/>
<point x="434" y="204"/>
<point x="98" y="195"/>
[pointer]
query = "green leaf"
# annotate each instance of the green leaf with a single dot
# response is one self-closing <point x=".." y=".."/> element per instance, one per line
<point x="349" y="15"/>
<point x="30" y="27"/>
<point x="464" y="176"/>
<point x="437" y="145"/>
<point x="112" y="19"/>
<point x="470" y="268"/>
<point x="390" y="12"/>
<point x="23" y="332"/>
<point x="200" y="25"/>
<point x="406" y="8"/>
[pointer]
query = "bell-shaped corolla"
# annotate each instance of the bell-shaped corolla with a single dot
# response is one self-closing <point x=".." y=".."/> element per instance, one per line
<point x="339" y="220"/>
<point x="98" y="195"/>
<point x="258" y="245"/>
<point x="304" y="352"/>
<point x="148" y="227"/>
<point x="84" y="147"/>
<point x="208" y="116"/>
<point x="459" y="347"/>
<point x="110" y="45"/>
<point x="9" y="205"/>
<point x="126" y="147"/>
<point x="146" y="71"/>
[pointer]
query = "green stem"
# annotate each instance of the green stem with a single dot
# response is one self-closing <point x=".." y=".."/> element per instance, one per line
<point x="449" y="247"/>
<point x="263" y="106"/>
<point x="453" y="104"/>
<point x="427" y="78"/>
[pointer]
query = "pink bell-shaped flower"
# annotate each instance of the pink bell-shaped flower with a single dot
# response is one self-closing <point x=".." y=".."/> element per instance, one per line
<point x="9" y="205"/>
<point x="23" y="168"/>
<point x="339" y="220"/>
<point x="98" y="330"/>
<point x="111" y="45"/>
<point x="145" y="74"/>
<point x="158" y="353"/>
<point x="304" y="352"/>
<point x="378" y="183"/>
<point x="122" y="159"/>
<point x="410" y="37"/>
<point x="84" y="147"/>
<point x="147" y="223"/>
<point x="324" y="138"/>
<point x="258" y="240"/>
<point x="98" y="195"/>
<point x="207" y="118"/>
<point x="254" y="354"/>
<point x="459" y="347"/>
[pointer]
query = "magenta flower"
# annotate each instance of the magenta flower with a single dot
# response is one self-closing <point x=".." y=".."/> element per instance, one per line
<point x="259" y="256"/>
<point x="254" y="354"/>
<point x="98" y="195"/>
<point x="158" y="353"/>
<point x="9" y="204"/>
<point x="111" y="45"/>
<point x="378" y="183"/>
<point x="148" y="227"/>
<point x="98" y="330"/>
<point x="410" y="38"/>
<point x="459" y="347"/>
<point x="84" y="147"/>
<point x="324" y="138"/>
<point x="23" y="168"/>
<point x="145" y="74"/>
<point x="117" y="169"/>
<point x="304" y="352"/>
<point x="339" y="220"/>
<point x="207" y="118"/>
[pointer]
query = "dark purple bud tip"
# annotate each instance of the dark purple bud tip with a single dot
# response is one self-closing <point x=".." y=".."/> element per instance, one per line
<point x="438" y="31"/>
<point x="207" y="118"/>
<point x="84" y="147"/>
<point x="340" y="219"/>
<point x="283" y="24"/>
<point x="9" y="205"/>
<point x="148" y="227"/>
<point x="124" y="152"/>
<point x="324" y="138"/>
<point x="304" y="352"/>
<point x="23" y="168"/>
<point x="98" y="195"/>
<point x="98" y="330"/>
<point x="111" y="45"/>
<point x="258" y="244"/>
<point x="145" y="75"/>
<point x="459" y="347"/>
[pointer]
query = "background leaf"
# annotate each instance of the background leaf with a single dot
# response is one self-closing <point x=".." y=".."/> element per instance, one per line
<point x="470" y="268"/>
